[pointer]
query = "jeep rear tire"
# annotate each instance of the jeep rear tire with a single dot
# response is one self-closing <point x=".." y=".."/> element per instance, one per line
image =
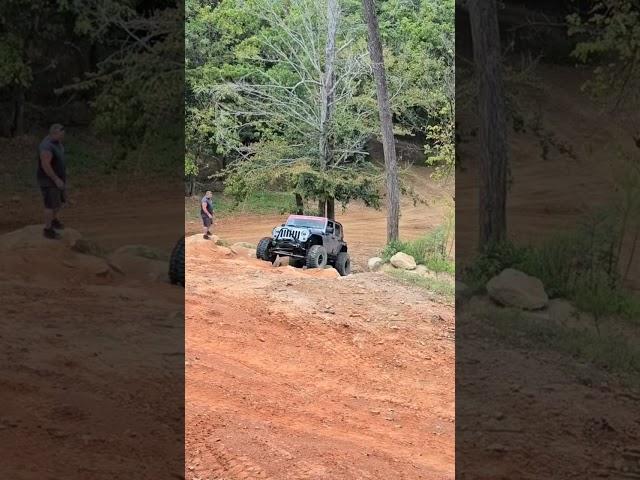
<point x="317" y="257"/>
<point x="263" y="251"/>
<point x="176" y="264"/>
<point x="343" y="264"/>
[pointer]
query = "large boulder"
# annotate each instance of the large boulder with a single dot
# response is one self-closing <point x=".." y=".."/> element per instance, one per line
<point x="328" y="272"/>
<point x="31" y="238"/>
<point x="26" y="253"/>
<point x="403" y="261"/>
<point x="88" y="264"/>
<point x="199" y="238"/>
<point x="129" y="261"/>
<point x="238" y="249"/>
<point x="513" y="288"/>
<point x="374" y="264"/>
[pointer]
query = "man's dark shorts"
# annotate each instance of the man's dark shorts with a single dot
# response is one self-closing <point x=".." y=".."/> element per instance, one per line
<point x="53" y="197"/>
<point x="206" y="221"/>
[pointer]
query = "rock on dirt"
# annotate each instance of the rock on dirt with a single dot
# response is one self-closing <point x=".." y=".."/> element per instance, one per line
<point x="328" y="272"/>
<point x="561" y="310"/>
<point x="238" y="249"/>
<point x="198" y="238"/>
<point x="142" y="268"/>
<point x="375" y="264"/>
<point x="89" y="264"/>
<point x="514" y="288"/>
<point x="403" y="261"/>
<point x="31" y="237"/>
<point x="421" y="270"/>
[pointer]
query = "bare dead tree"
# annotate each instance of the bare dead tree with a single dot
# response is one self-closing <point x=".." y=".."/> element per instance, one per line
<point x="327" y="99"/>
<point x="386" y="121"/>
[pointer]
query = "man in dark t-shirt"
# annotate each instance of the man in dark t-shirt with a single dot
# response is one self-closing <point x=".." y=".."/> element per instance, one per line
<point x="52" y="178"/>
<point x="206" y="212"/>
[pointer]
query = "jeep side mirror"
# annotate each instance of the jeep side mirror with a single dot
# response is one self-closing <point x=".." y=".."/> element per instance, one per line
<point x="329" y="230"/>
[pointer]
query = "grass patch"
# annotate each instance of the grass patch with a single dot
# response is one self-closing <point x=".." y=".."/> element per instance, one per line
<point x="613" y="353"/>
<point x="429" y="250"/>
<point x="262" y="203"/>
<point x="445" y="288"/>
<point x="581" y="266"/>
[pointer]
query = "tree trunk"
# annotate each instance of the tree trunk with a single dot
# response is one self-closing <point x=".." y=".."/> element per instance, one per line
<point x="386" y="121"/>
<point x="494" y="153"/>
<point x="328" y="81"/>
<point x="299" y="204"/>
<point x="632" y="254"/>
<point x="192" y="185"/>
<point x="322" y="205"/>
<point x="327" y="96"/>
<point x="18" y="111"/>
<point x="331" y="208"/>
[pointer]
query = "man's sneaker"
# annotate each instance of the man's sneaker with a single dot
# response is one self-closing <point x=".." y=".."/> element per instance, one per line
<point x="57" y="224"/>
<point x="51" y="234"/>
<point x="206" y="237"/>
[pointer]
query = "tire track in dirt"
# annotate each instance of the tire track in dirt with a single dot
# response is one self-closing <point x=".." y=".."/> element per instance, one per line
<point x="278" y="385"/>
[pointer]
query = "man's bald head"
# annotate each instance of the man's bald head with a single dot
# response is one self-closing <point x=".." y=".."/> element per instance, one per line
<point x="56" y="131"/>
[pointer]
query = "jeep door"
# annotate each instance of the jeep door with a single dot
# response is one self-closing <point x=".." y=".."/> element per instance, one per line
<point x="332" y="241"/>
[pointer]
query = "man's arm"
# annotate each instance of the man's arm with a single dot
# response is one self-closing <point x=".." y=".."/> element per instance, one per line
<point x="45" y="160"/>
<point x="205" y="208"/>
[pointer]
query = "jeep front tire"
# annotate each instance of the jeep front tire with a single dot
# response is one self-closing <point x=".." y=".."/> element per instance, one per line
<point x="176" y="264"/>
<point x="317" y="257"/>
<point x="263" y="251"/>
<point x="343" y="264"/>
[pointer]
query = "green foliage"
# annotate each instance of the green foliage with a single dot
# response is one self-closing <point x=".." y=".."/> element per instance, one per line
<point x="608" y="35"/>
<point x="285" y="168"/>
<point x="431" y="250"/>
<point x="253" y="71"/>
<point x="443" y="287"/>
<point x="259" y="203"/>
<point x="14" y="69"/>
<point x="581" y="266"/>
<point x="441" y="152"/>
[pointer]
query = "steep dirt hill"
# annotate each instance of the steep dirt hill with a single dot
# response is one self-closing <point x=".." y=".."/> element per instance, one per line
<point x="291" y="375"/>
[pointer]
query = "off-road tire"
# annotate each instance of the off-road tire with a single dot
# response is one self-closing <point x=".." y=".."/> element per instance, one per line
<point x="263" y="251"/>
<point x="317" y="257"/>
<point x="176" y="264"/>
<point x="343" y="264"/>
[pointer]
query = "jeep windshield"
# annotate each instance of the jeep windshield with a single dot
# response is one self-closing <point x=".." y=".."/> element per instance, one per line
<point x="308" y="222"/>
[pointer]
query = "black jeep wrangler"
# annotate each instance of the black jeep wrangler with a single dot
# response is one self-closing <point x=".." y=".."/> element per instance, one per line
<point x="314" y="242"/>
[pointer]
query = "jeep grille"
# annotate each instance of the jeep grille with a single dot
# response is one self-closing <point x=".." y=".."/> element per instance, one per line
<point x="288" y="233"/>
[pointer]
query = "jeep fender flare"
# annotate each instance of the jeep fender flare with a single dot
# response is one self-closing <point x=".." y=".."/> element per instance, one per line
<point x="314" y="239"/>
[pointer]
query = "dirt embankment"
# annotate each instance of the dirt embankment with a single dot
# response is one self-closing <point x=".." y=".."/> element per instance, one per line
<point x="292" y="376"/>
<point x="553" y="194"/>
<point x="91" y="363"/>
